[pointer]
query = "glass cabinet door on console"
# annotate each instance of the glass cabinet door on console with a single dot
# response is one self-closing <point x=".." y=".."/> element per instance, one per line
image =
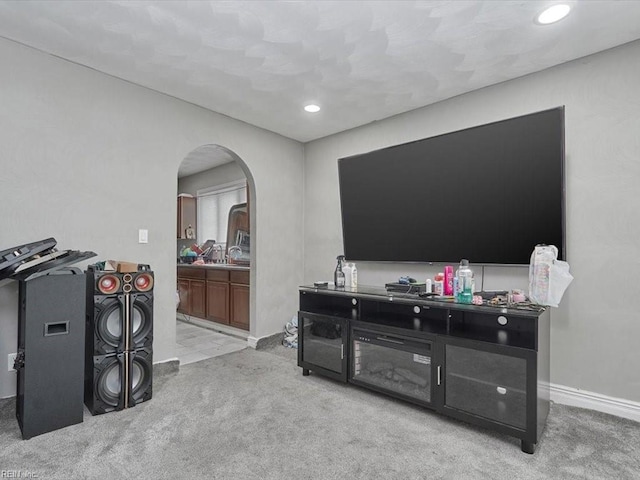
<point x="391" y="363"/>
<point x="493" y="383"/>
<point x="322" y="344"/>
<point x="323" y="331"/>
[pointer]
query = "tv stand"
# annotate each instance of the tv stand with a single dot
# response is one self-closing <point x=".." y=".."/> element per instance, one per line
<point x="485" y="365"/>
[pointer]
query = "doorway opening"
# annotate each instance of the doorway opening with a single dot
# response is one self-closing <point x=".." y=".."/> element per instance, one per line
<point x="215" y="232"/>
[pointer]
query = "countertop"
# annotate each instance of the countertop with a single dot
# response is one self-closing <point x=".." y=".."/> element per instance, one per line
<point x="220" y="266"/>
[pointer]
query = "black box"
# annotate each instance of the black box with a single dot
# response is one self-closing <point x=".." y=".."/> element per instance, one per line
<point x="406" y="288"/>
<point x="51" y="353"/>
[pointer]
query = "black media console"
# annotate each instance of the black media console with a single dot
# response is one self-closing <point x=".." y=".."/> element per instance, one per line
<point x="488" y="366"/>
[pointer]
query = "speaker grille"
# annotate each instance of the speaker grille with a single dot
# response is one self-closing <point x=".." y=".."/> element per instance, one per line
<point x="108" y="319"/>
<point x="109" y="382"/>
<point x="142" y="319"/>
<point x="108" y="284"/>
<point x="141" y="375"/>
<point x="144" y="282"/>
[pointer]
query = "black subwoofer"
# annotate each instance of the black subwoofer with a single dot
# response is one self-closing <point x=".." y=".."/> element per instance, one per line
<point x="50" y="352"/>
<point x="119" y="339"/>
<point x="118" y="381"/>
<point x="114" y="315"/>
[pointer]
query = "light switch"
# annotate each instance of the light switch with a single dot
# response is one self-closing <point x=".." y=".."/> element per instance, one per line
<point x="143" y="235"/>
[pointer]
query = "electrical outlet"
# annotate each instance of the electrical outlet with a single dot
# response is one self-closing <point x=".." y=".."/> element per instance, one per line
<point x="10" y="360"/>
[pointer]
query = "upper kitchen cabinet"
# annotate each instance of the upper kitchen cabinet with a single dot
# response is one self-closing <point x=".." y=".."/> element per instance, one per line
<point x="187" y="214"/>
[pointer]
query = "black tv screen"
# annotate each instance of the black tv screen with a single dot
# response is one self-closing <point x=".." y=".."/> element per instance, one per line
<point x="490" y="194"/>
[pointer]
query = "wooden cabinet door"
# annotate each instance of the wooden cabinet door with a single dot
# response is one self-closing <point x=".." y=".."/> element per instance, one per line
<point x="186" y="215"/>
<point x="183" y="293"/>
<point x="240" y="306"/>
<point x="198" y="298"/>
<point x="218" y="301"/>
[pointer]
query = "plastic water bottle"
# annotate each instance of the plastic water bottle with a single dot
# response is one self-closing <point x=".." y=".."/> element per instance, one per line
<point x="465" y="282"/>
<point x="348" y="277"/>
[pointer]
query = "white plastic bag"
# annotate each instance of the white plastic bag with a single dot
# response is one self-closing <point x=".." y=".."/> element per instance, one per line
<point x="559" y="280"/>
<point x="548" y="276"/>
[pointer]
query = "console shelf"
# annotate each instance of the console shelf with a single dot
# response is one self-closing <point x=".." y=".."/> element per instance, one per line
<point x="488" y="366"/>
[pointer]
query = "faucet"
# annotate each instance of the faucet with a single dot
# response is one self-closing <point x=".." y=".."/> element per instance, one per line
<point x="218" y="257"/>
<point x="235" y="253"/>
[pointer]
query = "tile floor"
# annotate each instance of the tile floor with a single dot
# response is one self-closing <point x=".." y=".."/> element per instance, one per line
<point x="196" y="343"/>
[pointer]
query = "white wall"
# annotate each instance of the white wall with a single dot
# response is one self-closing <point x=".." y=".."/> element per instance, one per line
<point x="596" y="329"/>
<point x="90" y="159"/>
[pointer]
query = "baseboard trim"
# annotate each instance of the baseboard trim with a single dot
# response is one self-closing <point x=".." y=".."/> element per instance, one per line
<point x="595" y="401"/>
<point x="166" y="367"/>
<point x="269" y="341"/>
<point x="216" y="327"/>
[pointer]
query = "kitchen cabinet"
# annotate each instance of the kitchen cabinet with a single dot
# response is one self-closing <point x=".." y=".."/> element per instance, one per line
<point x="187" y="215"/>
<point x="239" y="299"/>
<point x="215" y="293"/>
<point x="218" y="296"/>
<point x="191" y="290"/>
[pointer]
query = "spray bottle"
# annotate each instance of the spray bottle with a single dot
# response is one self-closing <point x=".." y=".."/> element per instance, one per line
<point x="338" y="275"/>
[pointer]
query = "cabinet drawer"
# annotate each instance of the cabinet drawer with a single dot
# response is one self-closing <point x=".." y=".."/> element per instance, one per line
<point x="218" y="275"/>
<point x="186" y="272"/>
<point x="241" y="277"/>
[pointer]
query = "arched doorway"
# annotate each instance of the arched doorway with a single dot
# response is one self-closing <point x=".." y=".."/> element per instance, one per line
<point x="216" y="220"/>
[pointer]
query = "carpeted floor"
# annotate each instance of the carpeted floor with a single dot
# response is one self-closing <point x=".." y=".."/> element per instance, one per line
<point x="252" y="415"/>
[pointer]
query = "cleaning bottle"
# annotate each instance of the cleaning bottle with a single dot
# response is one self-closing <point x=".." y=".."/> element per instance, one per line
<point x="438" y="284"/>
<point x="448" y="280"/>
<point x="338" y="275"/>
<point x="465" y="282"/>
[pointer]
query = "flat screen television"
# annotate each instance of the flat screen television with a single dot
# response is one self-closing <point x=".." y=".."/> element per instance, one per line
<point x="489" y="194"/>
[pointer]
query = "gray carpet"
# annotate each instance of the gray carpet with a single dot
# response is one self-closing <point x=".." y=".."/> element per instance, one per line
<point x="252" y="415"/>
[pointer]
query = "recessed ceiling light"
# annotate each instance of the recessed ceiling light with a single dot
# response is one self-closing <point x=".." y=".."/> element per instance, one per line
<point x="553" y="14"/>
<point x="312" y="108"/>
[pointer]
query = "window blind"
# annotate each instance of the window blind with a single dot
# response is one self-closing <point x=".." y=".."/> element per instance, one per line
<point x="213" y="210"/>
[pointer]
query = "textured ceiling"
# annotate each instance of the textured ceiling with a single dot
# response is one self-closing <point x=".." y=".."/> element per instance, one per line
<point x="204" y="158"/>
<point x="260" y="61"/>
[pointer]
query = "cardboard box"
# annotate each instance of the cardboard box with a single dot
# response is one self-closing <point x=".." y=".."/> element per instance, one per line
<point x="120" y="267"/>
<point x="126" y="267"/>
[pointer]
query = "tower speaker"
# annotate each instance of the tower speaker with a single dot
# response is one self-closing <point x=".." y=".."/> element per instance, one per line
<point x="119" y="339"/>
<point x="50" y="350"/>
